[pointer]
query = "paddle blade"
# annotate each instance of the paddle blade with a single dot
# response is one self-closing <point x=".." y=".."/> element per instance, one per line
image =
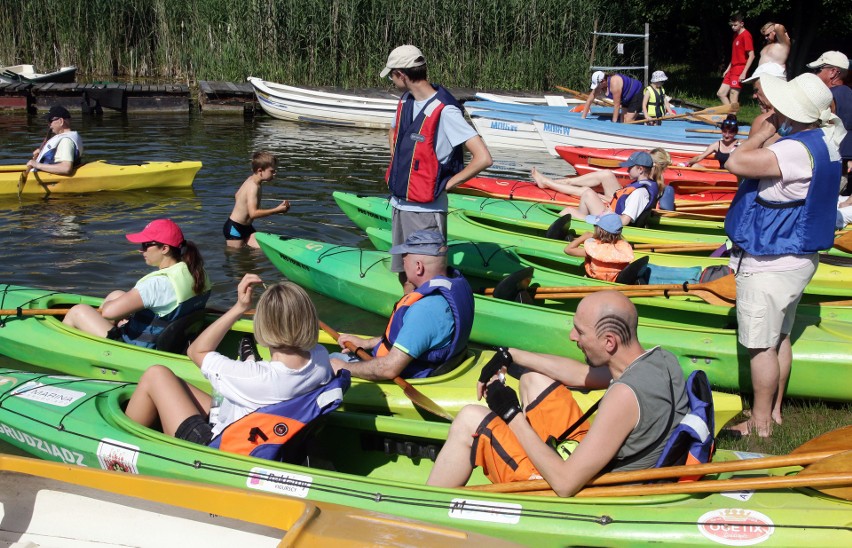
<point x="421" y="400"/>
<point x="836" y="440"/>
<point x="838" y="464"/>
<point x="844" y="242"/>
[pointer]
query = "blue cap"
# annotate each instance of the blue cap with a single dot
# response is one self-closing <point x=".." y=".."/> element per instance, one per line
<point x="638" y="158"/>
<point x="422" y="242"/>
<point x="607" y="221"/>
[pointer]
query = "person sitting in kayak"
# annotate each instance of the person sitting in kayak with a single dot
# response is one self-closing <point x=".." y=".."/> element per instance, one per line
<point x="722" y="148"/>
<point x="646" y="183"/>
<point x="645" y="400"/>
<point x="62" y="153"/>
<point x="428" y="327"/>
<point x="238" y="229"/>
<point x="285" y="321"/>
<point x="605" y="251"/>
<point x="177" y="288"/>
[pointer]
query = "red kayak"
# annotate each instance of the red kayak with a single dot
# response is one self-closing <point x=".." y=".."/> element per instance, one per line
<point x="581" y="155"/>
<point x="585" y="160"/>
<point x="709" y="203"/>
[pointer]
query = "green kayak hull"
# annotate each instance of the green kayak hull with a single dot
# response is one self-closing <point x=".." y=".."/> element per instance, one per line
<point x="831" y="280"/>
<point x="44" y="342"/>
<point x="362" y="278"/>
<point x="380" y="463"/>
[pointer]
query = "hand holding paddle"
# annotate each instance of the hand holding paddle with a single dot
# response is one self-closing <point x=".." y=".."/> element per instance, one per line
<point x="411" y="393"/>
<point x="22" y="180"/>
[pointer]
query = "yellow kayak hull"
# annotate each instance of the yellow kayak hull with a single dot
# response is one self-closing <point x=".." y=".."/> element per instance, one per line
<point x="100" y="176"/>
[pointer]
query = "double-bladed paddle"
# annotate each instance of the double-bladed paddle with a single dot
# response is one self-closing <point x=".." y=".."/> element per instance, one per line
<point x="410" y="392"/>
<point x="816" y="451"/>
<point x="614" y="163"/>
<point x="22" y="180"/>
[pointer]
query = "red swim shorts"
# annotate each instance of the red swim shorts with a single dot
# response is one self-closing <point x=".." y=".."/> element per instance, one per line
<point x="736" y="70"/>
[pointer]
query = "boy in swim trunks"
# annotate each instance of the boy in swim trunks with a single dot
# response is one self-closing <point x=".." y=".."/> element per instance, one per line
<point x="238" y="230"/>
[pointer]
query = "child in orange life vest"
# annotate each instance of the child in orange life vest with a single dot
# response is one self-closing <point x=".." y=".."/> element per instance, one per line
<point x="606" y="252"/>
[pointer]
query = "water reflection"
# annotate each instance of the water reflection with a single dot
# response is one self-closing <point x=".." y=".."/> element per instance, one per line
<point x="76" y="243"/>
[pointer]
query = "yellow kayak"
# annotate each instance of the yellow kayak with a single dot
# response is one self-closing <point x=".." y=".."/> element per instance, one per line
<point x="100" y="176"/>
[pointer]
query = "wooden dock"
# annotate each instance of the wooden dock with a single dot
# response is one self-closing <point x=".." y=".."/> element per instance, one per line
<point x="129" y="98"/>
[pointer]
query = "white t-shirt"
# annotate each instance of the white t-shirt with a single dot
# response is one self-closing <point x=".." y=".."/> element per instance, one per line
<point x="158" y="294"/>
<point x="453" y="130"/>
<point x="794" y="161"/>
<point x="247" y="386"/>
<point x="636" y="203"/>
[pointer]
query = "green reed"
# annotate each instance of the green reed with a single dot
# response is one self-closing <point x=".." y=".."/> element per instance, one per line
<point x="511" y="44"/>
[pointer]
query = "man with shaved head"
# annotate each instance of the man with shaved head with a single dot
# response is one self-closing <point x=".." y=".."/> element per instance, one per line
<point x="644" y="401"/>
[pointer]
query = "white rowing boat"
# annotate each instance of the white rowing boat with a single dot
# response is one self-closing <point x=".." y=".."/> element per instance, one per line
<point x="27" y="73"/>
<point x="306" y="105"/>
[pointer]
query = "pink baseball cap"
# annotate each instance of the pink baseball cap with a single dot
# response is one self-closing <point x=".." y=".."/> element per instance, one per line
<point x="163" y="231"/>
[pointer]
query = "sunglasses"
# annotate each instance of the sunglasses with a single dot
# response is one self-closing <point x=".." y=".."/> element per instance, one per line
<point x="144" y="246"/>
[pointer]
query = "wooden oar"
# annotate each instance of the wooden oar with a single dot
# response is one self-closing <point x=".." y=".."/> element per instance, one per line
<point x="22" y="180"/>
<point x="706" y="296"/>
<point x="725" y="287"/>
<point x="812" y="451"/>
<point x="676" y="248"/>
<point x="614" y="163"/>
<point x="716" y="131"/>
<point x="721" y="109"/>
<point x="844" y="242"/>
<point x="33" y="312"/>
<point x="410" y="392"/>
<point x="585" y="96"/>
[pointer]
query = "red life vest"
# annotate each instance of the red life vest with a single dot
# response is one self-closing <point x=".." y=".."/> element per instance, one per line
<point x="414" y="173"/>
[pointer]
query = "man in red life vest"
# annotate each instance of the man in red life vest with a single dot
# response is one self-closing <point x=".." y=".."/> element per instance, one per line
<point x="427" y="141"/>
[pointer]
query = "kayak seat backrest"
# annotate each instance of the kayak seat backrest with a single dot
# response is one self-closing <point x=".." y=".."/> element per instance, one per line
<point x="177" y="336"/>
<point x="558" y="229"/>
<point x="635" y="273"/>
<point x="514" y="286"/>
<point x="450" y="364"/>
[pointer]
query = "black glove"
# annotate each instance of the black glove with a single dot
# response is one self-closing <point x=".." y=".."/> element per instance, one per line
<point x="501" y="359"/>
<point x="502" y="400"/>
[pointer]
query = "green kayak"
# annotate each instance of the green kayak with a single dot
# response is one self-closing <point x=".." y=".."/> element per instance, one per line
<point x="361" y="277"/>
<point x="380" y="464"/>
<point x="830" y="281"/>
<point x="45" y="343"/>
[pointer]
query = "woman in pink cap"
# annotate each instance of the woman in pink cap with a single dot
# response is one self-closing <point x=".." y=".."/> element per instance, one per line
<point x="178" y="287"/>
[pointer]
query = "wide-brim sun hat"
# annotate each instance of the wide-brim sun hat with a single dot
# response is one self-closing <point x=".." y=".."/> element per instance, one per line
<point x="803" y="99"/>
<point x="658" y="76"/>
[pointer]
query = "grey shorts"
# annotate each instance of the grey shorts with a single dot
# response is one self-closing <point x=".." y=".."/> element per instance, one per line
<point x="404" y="223"/>
<point x="766" y="305"/>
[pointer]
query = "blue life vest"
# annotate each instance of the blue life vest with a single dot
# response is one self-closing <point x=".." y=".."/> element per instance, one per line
<point x="798" y="227"/>
<point x="264" y="432"/>
<point x="629" y="87"/>
<point x="414" y="173"/>
<point x="692" y="440"/>
<point x="459" y="295"/>
<point x="619" y="199"/>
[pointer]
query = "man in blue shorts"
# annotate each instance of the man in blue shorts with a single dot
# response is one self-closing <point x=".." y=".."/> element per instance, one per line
<point x="429" y="326"/>
<point x="427" y="141"/>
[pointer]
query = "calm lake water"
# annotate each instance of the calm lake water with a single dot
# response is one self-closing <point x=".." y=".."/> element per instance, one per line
<point x="77" y="244"/>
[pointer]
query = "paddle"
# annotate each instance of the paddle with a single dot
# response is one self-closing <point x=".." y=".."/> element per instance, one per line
<point x="585" y="96"/>
<point x="716" y="131"/>
<point x="22" y="180"/>
<point x="33" y="312"/>
<point x="720" y="109"/>
<point x="635" y="291"/>
<point x="614" y="162"/>
<point x="821" y="447"/>
<point x="725" y="287"/>
<point x="410" y="392"/>
<point x="844" y="242"/>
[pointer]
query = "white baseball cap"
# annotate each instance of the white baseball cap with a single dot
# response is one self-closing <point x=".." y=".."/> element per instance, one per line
<point x="658" y="76"/>
<point x="772" y="69"/>
<point x="406" y="56"/>
<point x="833" y="58"/>
<point x="597" y="78"/>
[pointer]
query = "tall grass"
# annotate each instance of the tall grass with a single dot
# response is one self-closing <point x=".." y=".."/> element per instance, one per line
<point x="513" y="44"/>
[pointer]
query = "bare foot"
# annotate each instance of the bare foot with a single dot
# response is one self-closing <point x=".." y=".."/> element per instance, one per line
<point x="539" y="179"/>
<point x="776" y="416"/>
<point x="749" y="426"/>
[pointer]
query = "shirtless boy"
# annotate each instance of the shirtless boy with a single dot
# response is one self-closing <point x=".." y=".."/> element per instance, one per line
<point x="777" y="46"/>
<point x="238" y="230"/>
